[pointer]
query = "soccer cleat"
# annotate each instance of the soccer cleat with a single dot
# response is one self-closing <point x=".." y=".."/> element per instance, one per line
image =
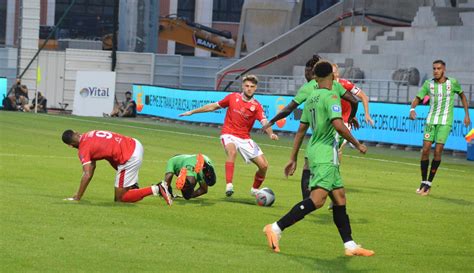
<point x="425" y="191"/>
<point x="181" y="178"/>
<point x="359" y="251"/>
<point x="272" y="238"/>
<point x="229" y="189"/>
<point x="253" y="191"/>
<point x="165" y="194"/>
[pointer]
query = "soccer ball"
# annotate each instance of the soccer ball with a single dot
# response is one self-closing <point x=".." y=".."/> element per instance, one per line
<point x="265" y="197"/>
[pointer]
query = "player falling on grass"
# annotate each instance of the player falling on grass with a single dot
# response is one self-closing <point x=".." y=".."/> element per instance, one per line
<point x="441" y="90"/>
<point x="243" y="110"/>
<point x="346" y="106"/>
<point x="322" y="112"/>
<point x="190" y="171"/>
<point x="300" y="98"/>
<point x="125" y="154"/>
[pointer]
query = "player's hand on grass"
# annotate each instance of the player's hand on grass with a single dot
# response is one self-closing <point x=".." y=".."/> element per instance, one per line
<point x="354" y="123"/>
<point x="290" y="168"/>
<point x="71" y="199"/>
<point x="412" y="114"/>
<point x="188" y="113"/>
<point x="274" y="136"/>
<point x="362" y="148"/>
<point x="467" y="121"/>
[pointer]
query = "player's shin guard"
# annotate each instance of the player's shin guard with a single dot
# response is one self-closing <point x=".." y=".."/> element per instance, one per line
<point x="258" y="180"/>
<point x="424" y="169"/>
<point x="298" y="212"/>
<point x="434" y="167"/>
<point x="229" y="172"/>
<point x="305" y="184"/>
<point x="341" y="219"/>
<point x="132" y="196"/>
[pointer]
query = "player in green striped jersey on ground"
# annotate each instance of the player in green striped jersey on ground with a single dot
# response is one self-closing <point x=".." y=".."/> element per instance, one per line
<point x="323" y="112"/>
<point x="441" y="91"/>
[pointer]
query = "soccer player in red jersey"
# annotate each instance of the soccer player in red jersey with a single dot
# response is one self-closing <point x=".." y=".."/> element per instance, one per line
<point x="243" y="110"/>
<point x="125" y="154"/>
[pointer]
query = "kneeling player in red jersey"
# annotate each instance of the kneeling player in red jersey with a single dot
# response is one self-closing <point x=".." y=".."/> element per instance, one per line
<point x="125" y="154"/>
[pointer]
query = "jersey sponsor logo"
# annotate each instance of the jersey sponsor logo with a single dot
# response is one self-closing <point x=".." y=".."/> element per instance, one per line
<point x="336" y="108"/>
<point x="252" y="108"/>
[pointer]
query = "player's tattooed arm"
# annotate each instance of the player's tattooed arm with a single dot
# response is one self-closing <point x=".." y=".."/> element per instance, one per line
<point x="206" y="108"/>
<point x="414" y="103"/>
<point x="290" y="167"/>
<point x="345" y="133"/>
<point x="269" y="130"/>
<point x="282" y="114"/>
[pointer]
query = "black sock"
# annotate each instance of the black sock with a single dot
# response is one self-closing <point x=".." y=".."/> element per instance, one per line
<point x="424" y="169"/>
<point x="434" y="167"/>
<point x="298" y="212"/>
<point x="341" y="219"/>
<point x="305" y="183"/>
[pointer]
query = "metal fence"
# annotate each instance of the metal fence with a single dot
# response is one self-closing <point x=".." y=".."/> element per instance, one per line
<point x="376" y="90"/>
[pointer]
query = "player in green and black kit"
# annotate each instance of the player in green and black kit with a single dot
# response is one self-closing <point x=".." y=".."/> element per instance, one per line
<point x="322" y="112"/>
<point x="300" y="98"/>
<point x="190" y="170"/>
<point x="441" y="90"/>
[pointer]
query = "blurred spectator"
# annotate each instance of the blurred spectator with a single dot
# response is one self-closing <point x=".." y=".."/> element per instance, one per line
<point x="128" y="108"/>
<point x="41" y="103"/>
<point x="17" y="98"/>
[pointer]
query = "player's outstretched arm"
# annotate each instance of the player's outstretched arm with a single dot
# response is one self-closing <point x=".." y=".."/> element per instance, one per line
<point x="282" y="114"/>
<point x="290" y="167"/>
<point x="206" y="108"/>
<point x="87" y="174"/>
<point x="365" y="101"/>
<point x="467" y="119"/>
<point x="345" y="133"/>
<point x="269" y="130"/>
<point x="414" y="103"/>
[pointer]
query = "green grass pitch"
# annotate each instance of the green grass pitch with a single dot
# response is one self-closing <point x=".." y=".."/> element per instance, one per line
<point x="40" y="232"/>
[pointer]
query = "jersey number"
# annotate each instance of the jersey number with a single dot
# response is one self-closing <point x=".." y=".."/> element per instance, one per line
<point x="313" y="118"/>
<point x="104" y="134"/>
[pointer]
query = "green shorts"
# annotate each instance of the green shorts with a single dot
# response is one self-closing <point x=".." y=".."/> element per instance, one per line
<point x="436" y="133"/>
<point x="326" y="176"/>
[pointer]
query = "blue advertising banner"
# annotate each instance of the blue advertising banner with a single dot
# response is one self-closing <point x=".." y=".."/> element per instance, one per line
<point x="391" y="120"/>
<point x="3" y="89"/>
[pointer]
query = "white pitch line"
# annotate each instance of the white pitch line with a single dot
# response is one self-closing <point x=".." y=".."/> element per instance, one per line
<point x="211" y="137"/>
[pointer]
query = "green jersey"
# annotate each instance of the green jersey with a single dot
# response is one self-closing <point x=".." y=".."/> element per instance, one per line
<point x="176" y="163"/>
<point x="441" y="100"/>
<point x="307" y="88"/>
<point x="321" y="108"/>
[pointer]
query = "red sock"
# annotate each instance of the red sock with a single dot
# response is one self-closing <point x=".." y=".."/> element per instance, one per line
<point x="135" y="195"/>
<point x="229" y="172"/>
<point x="258" y="180"/>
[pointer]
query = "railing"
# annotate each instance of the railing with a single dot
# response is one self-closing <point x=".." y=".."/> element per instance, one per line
<point x="376" y="90"/>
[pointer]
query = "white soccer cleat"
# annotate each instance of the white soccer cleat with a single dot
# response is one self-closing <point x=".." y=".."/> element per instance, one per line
<point x="253" y="191"/>
<point x="229" y="189"/>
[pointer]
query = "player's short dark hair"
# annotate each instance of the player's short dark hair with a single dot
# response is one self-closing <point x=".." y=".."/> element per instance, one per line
<point x="209" y="175"/>
<point x="311" y="62"/>
<point x="68" y="136"/>
<point x="128" y="93"/>
<point x="251" y="78"/>
<point x="439" y="62"/>
<point x="322" y="69"/>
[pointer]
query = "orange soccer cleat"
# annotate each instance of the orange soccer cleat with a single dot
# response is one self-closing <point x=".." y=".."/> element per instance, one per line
<point x="359" y="251"/>
<point x="181" y="178"/>
<point x="272" y="238"/>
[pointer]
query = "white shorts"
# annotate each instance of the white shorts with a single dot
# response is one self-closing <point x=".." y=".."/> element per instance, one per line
<point x="127" y="174"/>
<point x="247" y="148"/>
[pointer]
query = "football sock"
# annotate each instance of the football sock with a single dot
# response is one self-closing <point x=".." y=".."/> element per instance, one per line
<point x="136" y="195"/>
<point x="276" y="228"/>
<point x="434" y="167"/>
<point x="424" y="169"/>
<point x="229" y="172"/>
<point x="258" y="180"/>
<point x="305" y="183"/>
<point x="298" y="212"/>
<point x="341" y="219"/>
<point x="350" y="245"/>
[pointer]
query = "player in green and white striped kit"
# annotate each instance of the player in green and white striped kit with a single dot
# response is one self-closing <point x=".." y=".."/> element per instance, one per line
<point x="441" y="90"/>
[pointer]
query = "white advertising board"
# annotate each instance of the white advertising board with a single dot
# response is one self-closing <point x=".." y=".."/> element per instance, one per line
<point x="94" y="93"/>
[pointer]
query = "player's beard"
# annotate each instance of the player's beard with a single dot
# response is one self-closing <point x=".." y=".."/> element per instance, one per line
<point x="247" y="97"/>
<point x="441" y="76"/>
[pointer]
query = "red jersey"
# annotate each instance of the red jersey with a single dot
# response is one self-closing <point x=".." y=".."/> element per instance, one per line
<point x="241" y="115"/>
<point x="98" y="145"/>
<point x="346" y="106"/>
